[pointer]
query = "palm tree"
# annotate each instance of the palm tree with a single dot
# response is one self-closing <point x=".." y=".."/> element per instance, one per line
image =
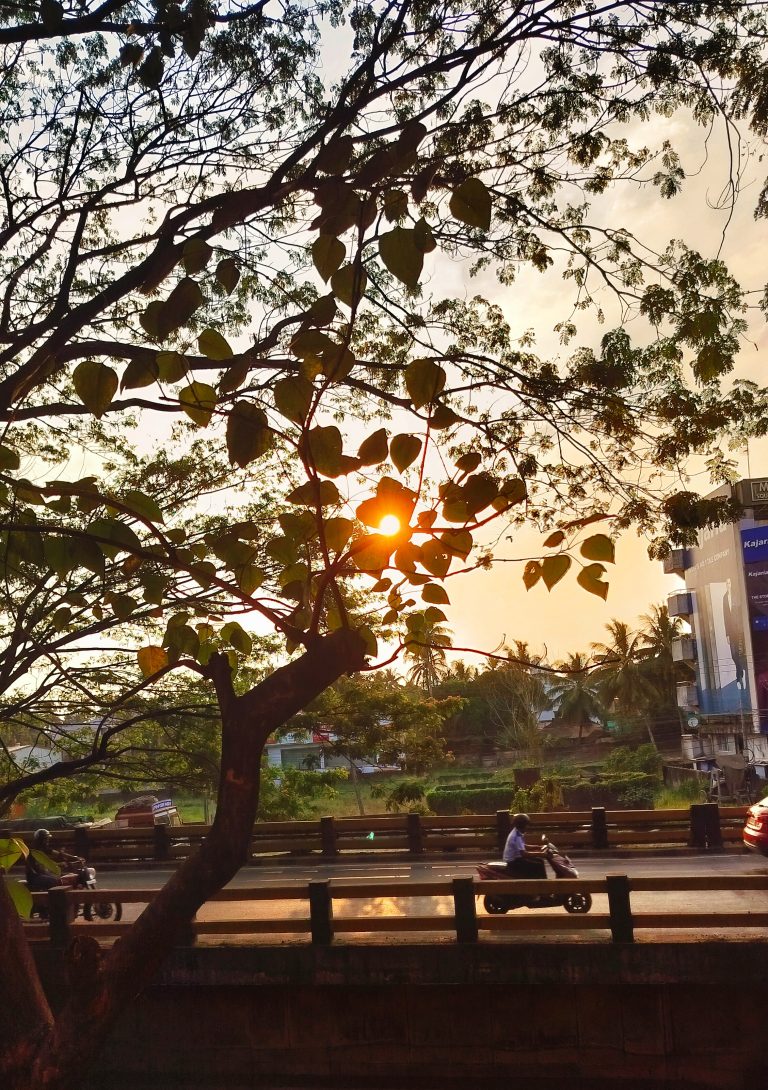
<point x="425" y="649"/>
<point x="624" y="687"/>
<point x="659" y="634"/>
<point x="660" y="668"/>
<point x="576" y="694"/>
<point x="515" y="695"/>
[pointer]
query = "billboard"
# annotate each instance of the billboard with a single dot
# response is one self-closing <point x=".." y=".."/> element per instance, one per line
<point x="754" y="545"/>
<point x="714" y="578"/>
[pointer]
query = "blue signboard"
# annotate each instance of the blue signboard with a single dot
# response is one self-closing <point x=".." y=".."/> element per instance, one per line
<point x="754" y="544"/>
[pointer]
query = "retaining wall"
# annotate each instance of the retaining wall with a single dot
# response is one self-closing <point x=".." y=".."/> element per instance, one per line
<point x="560" y="1016"/>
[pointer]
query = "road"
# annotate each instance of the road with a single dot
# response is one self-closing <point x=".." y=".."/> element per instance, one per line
<point x="299" y="873"/>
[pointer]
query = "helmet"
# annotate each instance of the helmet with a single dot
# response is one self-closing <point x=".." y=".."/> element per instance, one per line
<point x="520" y="821"/>
<point x="42" y="836"/>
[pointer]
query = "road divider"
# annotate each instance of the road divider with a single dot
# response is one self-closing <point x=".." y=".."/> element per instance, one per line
<point x="316" y="899"/>
<point x="703" y="826"/>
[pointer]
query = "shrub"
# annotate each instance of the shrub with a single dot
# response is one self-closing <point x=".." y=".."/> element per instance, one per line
<point x="469" y="800"/>
<point x="645" y="758"/>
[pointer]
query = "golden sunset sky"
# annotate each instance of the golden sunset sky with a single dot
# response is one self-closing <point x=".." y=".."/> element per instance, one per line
<point x="488" y="607"/>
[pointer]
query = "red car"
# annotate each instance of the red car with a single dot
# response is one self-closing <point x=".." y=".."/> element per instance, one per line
<point x="755" y="834"/>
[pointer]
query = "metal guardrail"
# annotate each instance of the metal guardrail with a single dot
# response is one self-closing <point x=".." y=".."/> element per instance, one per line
<point x="705" y="825"/>
<point x="321" y="925"/>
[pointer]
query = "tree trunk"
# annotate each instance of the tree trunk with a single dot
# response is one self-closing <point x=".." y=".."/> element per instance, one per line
<point x="25" y="1017"/>
<point x="354" y="775"/>
<point x="61" y="1050"/>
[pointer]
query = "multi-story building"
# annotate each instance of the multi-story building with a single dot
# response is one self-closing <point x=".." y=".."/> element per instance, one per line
<point x="725" y="602"/>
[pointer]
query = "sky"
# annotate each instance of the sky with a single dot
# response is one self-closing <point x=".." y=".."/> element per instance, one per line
<point x="489" y="608"/>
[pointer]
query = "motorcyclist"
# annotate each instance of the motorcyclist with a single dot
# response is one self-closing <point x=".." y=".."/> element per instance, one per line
<point x="523" y="862"/>
<point x="40" y="879"/>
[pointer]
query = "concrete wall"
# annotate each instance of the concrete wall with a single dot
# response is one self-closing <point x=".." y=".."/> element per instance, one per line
<point x="561" y="1016"/>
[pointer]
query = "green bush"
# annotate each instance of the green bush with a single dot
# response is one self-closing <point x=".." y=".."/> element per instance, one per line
<point x="469" y="800"/>
<point x="645" y="758"/>
<point x="544" y="796"/>
<point x="623" y="791"/>
<point x="465" y="775"/>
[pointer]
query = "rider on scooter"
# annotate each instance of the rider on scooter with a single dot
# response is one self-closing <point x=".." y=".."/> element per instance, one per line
<point x="40" y="879"/>
<point x="523" y="862"/>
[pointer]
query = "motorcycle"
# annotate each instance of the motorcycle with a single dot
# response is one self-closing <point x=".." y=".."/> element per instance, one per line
<point x="497" y="904"/>
<point x="100" y="910"/>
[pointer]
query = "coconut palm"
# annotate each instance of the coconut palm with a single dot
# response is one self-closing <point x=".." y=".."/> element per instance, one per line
<point x="425" y="650"/>
<point x="624" y="687"/>
<point x="575" y="695"/>
<point x="515" y="695"/>
<point x="659" y="634"/>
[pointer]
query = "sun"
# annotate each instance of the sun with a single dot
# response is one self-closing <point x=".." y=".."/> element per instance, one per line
<point x="389" y="525"/>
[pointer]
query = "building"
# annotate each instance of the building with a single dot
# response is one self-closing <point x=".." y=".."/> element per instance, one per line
<point x="307" y="750"/>
<point x="725" y="603"/>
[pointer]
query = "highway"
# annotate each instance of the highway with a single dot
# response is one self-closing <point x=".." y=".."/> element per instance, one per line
<point x="300" y="872"/>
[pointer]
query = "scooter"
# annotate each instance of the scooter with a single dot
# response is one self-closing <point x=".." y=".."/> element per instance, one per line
<point x="100" y="910"/>
<point x="497" y="904"/>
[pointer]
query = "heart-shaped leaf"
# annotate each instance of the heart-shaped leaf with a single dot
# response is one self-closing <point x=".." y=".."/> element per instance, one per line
<point x="151" y="659"/>
<point x="471" y="203"/>
<point x="424" y="380"/>
<point x="590" y="578"/>
<point x="531" y="574"/>
<point x="436" y="594"/>
<point x="196" y="255"/>
<point x="213" y="345"/>
<point x="348" y="284"/>
<point x="337" y="533"/>
<point x="95" y="385"/>
<point x="553" y="568"/>
<point x="198" y="400"/>
<point x="599" y="547"/>
<point x="401" y="255"/>
<point x="404" y="450"/>
<point x="248" y="433"/>
<point x="327" y="254"/>
<point x="228" y="274"/>
<point x="374" y="449"/>
<point x="293" y="397"/>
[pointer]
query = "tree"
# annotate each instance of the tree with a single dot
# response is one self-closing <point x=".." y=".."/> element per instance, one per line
<point x="67" y="681"/>
<point x="425" y="648"/>
<point x="201" y="225"/>
<point x="575" y="694"/>
<point x="623" y="685"/>
<point x="659" y="633"/>
<point x="515" y="695"/>
<point x="377" y="720"/>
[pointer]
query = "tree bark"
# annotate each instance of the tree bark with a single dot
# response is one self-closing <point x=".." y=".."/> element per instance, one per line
<point x="101" y="988"/>
<point x="25" y="1016"/>
<point x="354" y="775"/>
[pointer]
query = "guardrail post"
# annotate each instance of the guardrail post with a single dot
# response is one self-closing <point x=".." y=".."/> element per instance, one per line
<point x="415" y="839"/>
<point x="59" y="913"/>
<point x="697" y="830"/>
<point x="464" y="909"/>
<point x="503" y="827"/>
<point x="321" y="912"/>
<point x="705" y="831"/>
<point x="162" y="843"/>
<point x="82" y="842"/>
<point x="329" y="837"/>
<point x="599" y="828"/>
<point x="712" y="825"/>
<point x="619" y="907"/>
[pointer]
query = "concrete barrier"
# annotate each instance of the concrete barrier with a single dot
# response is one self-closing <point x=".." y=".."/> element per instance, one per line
<point x="560" y="1017"/>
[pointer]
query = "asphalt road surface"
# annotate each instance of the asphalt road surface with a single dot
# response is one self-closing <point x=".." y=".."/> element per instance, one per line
<point x="299" y="873"/>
